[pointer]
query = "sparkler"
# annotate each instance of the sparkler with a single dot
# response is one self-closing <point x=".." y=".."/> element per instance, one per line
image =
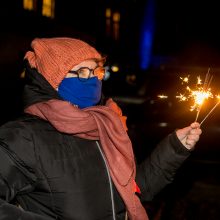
<point x="199" y="94"/>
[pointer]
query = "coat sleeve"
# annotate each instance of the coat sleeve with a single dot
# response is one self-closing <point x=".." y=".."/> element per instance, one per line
<point x="15" y="177"/>
<point x="159" y="169"/>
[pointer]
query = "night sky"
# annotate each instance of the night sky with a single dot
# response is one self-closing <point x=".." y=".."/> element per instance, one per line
<point x="184" y="28"/>
<point x="190" y="29"/>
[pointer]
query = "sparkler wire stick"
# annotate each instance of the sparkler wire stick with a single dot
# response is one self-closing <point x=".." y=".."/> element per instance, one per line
<point x="210" y="112"/>
<point x="197" y="115"/>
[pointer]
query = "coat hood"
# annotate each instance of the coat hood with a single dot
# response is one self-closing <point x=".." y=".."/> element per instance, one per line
<point x="36" y="88"/>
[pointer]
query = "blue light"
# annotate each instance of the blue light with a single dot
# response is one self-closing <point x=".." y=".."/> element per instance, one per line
<point x="147" y="34"/>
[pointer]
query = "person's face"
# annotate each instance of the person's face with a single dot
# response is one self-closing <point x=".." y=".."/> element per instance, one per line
<point x="82" y="85"/>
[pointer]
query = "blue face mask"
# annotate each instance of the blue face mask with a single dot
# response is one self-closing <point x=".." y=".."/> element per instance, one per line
<point x="82" y="93"/>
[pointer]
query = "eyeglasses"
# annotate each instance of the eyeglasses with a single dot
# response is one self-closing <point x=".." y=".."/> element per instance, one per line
<point x="84" y="73"/>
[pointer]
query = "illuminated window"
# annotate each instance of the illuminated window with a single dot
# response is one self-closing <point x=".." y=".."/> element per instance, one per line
<point x="116" y="25"/>
<point x="108" y="13"/>
<point x="29" y="4"/>
<point x="48" y="8"/>
<point x="108" y="21"/>
<point x="112" y="23"/>
<point x="116" y="17"/>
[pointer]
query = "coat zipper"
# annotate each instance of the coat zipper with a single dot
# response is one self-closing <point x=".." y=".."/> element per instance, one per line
<point x="110" y="180"/>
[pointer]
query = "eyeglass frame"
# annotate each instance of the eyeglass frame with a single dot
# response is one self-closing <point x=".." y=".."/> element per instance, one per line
<point x="90" y="72"/>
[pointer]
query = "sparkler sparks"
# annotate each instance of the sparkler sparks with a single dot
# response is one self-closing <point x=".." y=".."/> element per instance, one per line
<point x="199" y="94"/>
<point x="162" y="96"/>
<point x="199" y="97"/>
<point x="185" y="79"/>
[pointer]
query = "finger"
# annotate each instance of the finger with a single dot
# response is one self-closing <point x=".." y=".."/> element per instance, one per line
<point x="182" y="133"/>
<point x="196" y="131"/>
<point x="194" y="138"/>
<point x="185" y="131"/>
<point x="195" y="125"/>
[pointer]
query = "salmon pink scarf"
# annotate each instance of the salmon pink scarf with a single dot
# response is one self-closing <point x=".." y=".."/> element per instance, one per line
<point x="106" y="124"/>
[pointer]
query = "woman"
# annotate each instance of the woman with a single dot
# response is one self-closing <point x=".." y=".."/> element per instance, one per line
<point x="69" y="156"/>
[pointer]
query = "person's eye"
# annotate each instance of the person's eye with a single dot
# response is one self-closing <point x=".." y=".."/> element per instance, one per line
<point x="83" y="72"/>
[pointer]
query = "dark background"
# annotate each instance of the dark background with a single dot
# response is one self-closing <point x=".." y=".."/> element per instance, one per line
<point x="185" y="42"/>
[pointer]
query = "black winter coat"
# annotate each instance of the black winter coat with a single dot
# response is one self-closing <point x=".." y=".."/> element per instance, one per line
<point x="52" y="175"/>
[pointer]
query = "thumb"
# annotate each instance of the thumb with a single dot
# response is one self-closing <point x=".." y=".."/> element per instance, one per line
<point x="182" y="133"/>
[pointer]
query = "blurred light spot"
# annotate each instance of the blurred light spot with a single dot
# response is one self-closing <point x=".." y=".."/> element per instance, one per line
<point x="163" y="124"/>
<point x="28" y="4"/>
<point x="22" y="74"/>
<point x="107" y="73"/>
<point x="115" y="68"/>
<point x="131" y="79"/>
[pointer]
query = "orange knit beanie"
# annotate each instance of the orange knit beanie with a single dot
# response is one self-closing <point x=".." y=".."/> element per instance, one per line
<point x="54" y="57"/>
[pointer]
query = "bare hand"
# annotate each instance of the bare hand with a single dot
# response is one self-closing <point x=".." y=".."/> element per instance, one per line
<point x="188" y="136"/>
